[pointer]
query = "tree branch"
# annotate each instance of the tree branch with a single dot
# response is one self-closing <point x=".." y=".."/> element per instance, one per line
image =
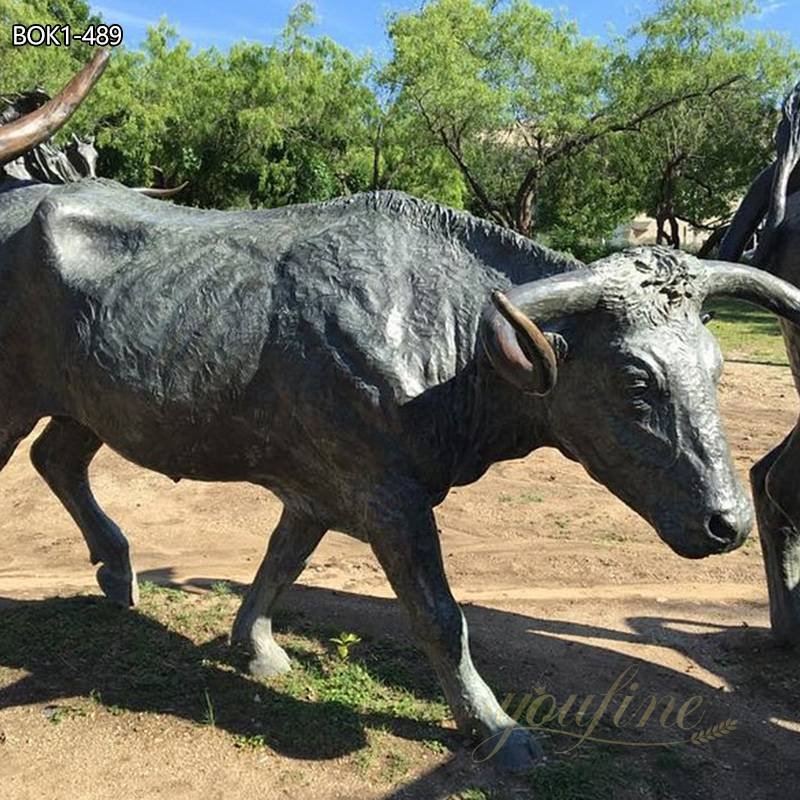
<point x="454" y="148"/>
<point x="579" y="142"/>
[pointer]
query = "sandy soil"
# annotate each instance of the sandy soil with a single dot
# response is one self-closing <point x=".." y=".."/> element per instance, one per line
<point x="564" y="588"/>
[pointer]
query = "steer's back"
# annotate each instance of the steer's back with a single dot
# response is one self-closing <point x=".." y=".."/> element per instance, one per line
<point x="232" y="332"/>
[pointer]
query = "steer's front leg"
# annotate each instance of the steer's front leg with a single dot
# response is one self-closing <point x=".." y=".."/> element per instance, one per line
<point x="776" y="492"/>
<point x="290" y="545"/>
<point x="407" y="545"/>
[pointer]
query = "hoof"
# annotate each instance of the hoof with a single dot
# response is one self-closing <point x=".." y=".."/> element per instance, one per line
<point x="270" y="658"/>
<point x="514" y="752"/>
<point x="120" y="589"/>
<point x="785" y="618"/>
<point x="271" y="663"/>
<point x="787" y="636"/>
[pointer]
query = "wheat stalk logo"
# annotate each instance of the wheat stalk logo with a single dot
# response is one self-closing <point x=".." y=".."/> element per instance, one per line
<point x="714" y="732"/>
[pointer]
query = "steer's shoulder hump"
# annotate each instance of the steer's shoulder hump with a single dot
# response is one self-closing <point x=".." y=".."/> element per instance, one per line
<point x="87" y="231"/>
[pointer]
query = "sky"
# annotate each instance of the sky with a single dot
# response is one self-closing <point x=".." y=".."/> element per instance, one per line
<point x="359" y="24"/>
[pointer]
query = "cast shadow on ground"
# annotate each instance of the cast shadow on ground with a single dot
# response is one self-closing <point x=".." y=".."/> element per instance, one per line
<point x="73" y="646"/>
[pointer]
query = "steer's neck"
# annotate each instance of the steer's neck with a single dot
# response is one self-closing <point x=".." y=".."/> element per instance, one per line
<point x="504" y="423"/>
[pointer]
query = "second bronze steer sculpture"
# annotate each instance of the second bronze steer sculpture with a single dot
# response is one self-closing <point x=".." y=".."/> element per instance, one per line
<point x="351" y="358"/>
<point x="774" y="199"/>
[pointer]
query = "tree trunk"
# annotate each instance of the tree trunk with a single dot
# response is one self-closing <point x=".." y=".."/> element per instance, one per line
<point x="525" y="207"/>
<point x="661" y="235"/>
<point x="675" y="239"/>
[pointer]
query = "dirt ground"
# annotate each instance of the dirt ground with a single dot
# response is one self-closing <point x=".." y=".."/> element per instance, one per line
<point x="563" y="586"/>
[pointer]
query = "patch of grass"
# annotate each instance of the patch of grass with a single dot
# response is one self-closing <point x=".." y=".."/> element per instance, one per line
<point x="522" y="497"/>
<point x="747" y="333"/>
<point x="147" y="589"/>
<point x="380" y="709"/>
<point x="97" y="699"/>
<point x="599" y="773"/>
<point x="595" y="776"/>
<point x="395" y="766"/>
<point x="436" y="746"/>
<point x="531" y="497"/>
<point x="57" y="714"/>
<point x="381" y="759"/>
<point x="170" y="656"/>
<point x="614" y="536"/>
<point x="473" y="793"/>
<point x="256" y="742"/>
<point x="221" y="589"/>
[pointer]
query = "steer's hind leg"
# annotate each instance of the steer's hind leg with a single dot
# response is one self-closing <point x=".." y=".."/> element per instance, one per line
<point x="62" y="455"/>
<point x="776" y="494"/>
<point x="407" y="547"/>
<point x="12" y="432"/>
<point x="291" y="544"/>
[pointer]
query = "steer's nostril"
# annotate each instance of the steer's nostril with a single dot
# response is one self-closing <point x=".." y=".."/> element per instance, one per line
<point x="721" y="529"/>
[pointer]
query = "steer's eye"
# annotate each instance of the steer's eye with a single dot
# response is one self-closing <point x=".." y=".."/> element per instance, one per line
<point x="639" y="394"/>
<point x="638" y="388"/>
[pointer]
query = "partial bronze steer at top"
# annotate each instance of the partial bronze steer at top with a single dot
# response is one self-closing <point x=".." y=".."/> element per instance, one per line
<point x="51" y="164"/>
<point x="349" y="357"/>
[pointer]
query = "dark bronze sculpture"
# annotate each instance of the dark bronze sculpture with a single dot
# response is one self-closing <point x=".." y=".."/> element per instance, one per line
<point x="350" y="357"/>
<point x="772" y="199"/>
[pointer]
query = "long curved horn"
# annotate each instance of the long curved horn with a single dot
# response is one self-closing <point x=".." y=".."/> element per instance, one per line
<point x="151" y="191"/>
<point x="753" y="285"/>
<point x="515" y="345"/>
<point x="23" y="134"/>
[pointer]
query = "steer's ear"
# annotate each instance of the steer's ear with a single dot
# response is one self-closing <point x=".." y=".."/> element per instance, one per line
<point x="521" y="352"/>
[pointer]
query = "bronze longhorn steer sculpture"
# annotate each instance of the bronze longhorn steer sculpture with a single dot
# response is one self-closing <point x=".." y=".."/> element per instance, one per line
<point x="350" y="357"/>
<point x="773" y="200"/>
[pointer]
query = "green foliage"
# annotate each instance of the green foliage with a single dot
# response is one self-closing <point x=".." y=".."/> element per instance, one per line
<point x="221" y="589"/>
<point x="45" y="67"/>
<point x="164" y="659"/>
<point x="258" y="126"/>
<point x="343" y="642"/>
<point x="558" y="136"/>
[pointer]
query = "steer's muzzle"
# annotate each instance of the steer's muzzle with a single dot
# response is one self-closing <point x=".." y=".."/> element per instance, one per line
<point x="729" y="530"/>
<point x="722" y="532"/>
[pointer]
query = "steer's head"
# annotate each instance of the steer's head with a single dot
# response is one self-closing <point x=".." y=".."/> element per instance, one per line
<point x="630" y="374"/>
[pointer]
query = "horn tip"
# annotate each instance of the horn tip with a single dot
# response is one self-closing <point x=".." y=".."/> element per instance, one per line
<point x="499" y="299"/>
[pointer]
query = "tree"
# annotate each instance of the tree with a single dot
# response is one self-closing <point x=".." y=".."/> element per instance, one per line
<point x="498" y="89"/>
<point x="523" y="104"/>
<point x="497" y="106"/>
<point x="695" y="160"/>
<point x="259" y="126"/>
<point x="49" y="68"/>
